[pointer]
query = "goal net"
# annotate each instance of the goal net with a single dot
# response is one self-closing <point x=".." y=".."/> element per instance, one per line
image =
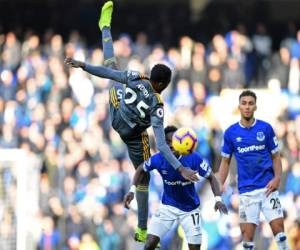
<point x="18" y="199"/>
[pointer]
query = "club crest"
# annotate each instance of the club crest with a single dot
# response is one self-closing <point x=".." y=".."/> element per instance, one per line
<point x="260" y="136"/>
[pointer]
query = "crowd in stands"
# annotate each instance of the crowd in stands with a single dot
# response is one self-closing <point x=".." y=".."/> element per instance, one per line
<point x="59" y="116"/>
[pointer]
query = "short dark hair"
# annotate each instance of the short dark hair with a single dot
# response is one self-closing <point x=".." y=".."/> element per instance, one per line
<point x="170" y="129"/>
<point x="161" y="74"/>
<point x="248" y="93"/>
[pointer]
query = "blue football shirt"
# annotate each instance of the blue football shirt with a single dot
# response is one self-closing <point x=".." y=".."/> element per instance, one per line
<point x="252" y="148"/>
<point x="179" y="192"/>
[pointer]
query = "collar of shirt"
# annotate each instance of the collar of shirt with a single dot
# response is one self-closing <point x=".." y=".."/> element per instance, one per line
<point x="253" y="124"/>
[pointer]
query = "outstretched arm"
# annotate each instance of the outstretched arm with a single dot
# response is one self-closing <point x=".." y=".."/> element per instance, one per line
<point x="104" y="72"/>
<point x="223" y="171"/>
<point x="215" y="186"/>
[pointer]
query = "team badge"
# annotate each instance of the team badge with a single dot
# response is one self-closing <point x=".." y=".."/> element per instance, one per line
<point x="238" y="139"/>
<point x="160" y="112"/>
<point x="260" y="136"/>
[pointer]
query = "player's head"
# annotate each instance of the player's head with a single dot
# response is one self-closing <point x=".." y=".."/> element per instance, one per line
<point x="169" y="131"/>
<point x="247" y="104"/>
<point x="160" y="77"/>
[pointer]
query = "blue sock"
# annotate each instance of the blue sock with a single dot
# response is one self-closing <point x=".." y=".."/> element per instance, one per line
<point x="108" y="49"/>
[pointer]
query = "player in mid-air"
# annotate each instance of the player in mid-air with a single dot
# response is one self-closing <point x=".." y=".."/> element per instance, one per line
<point x="135" y="104"/>
<point x="255" y="147"/>
<point x="180" y="201"/>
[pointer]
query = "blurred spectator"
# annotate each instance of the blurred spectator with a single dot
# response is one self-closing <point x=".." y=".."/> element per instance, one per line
<point x="7" y="231"/>
<point x="294" y="77"/>
<point x="198" y="69"/>
<point x="68" y="192"/>
<point x="11" y="55"/>
<point x="56" y="48"/>
<point x="107" y="236"/>
<point x="183" y="95"/>
<point x="295" y="235"/>
<point x="8" y="140"/>
<point x="233" y="75"/>
<point x="50" y="237"/>
<point x="293" y="180"/>
<point x="75" y="226"/>
<point x="88" y="243"/>
<point x="214" y="81"/>
<point x="295" y="48"/>
<point x="30" y="45"/>
<point x="141" y="47"/>
<point x="45" y="193"/>
<point x="8" y="85"/>
<point x="262" y="43"/>
<point x="281" y="67"/>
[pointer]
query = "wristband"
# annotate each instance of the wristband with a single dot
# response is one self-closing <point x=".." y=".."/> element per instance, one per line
<point x="218" y="198"/>
<point x="132" y="189"/>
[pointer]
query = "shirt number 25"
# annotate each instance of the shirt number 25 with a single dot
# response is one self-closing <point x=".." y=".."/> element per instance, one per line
<point x="130" y="97"/>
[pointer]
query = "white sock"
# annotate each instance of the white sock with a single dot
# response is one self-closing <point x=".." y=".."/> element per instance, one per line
<point x="282" y="241"/>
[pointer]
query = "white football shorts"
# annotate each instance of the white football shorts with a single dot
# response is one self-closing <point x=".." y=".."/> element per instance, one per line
<point x="162" y="221"/>
<point x="254" y="202"/>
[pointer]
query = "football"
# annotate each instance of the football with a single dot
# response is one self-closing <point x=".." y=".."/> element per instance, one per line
<point x="184" y="140"/>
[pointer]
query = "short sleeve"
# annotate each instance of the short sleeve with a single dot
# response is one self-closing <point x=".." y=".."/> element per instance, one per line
<point x="200" y="165"/>
<point x="272" y="142"/>
<point x="204" y="168"/>
<point x="151" y="163"/>
<point x="227" y="147"/>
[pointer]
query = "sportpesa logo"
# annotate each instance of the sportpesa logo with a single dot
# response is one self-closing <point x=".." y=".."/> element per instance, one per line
<point x="251" y="148"/>
<point x="180" y="183"/>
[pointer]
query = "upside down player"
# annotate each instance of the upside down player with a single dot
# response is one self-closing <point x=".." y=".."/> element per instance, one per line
<point x="180" y="201"/>
<point x="139" y="108"/>
<point x="255" y="148"/>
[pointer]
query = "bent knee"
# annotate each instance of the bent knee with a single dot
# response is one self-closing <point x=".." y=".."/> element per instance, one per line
<point x="145" y="178"/>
